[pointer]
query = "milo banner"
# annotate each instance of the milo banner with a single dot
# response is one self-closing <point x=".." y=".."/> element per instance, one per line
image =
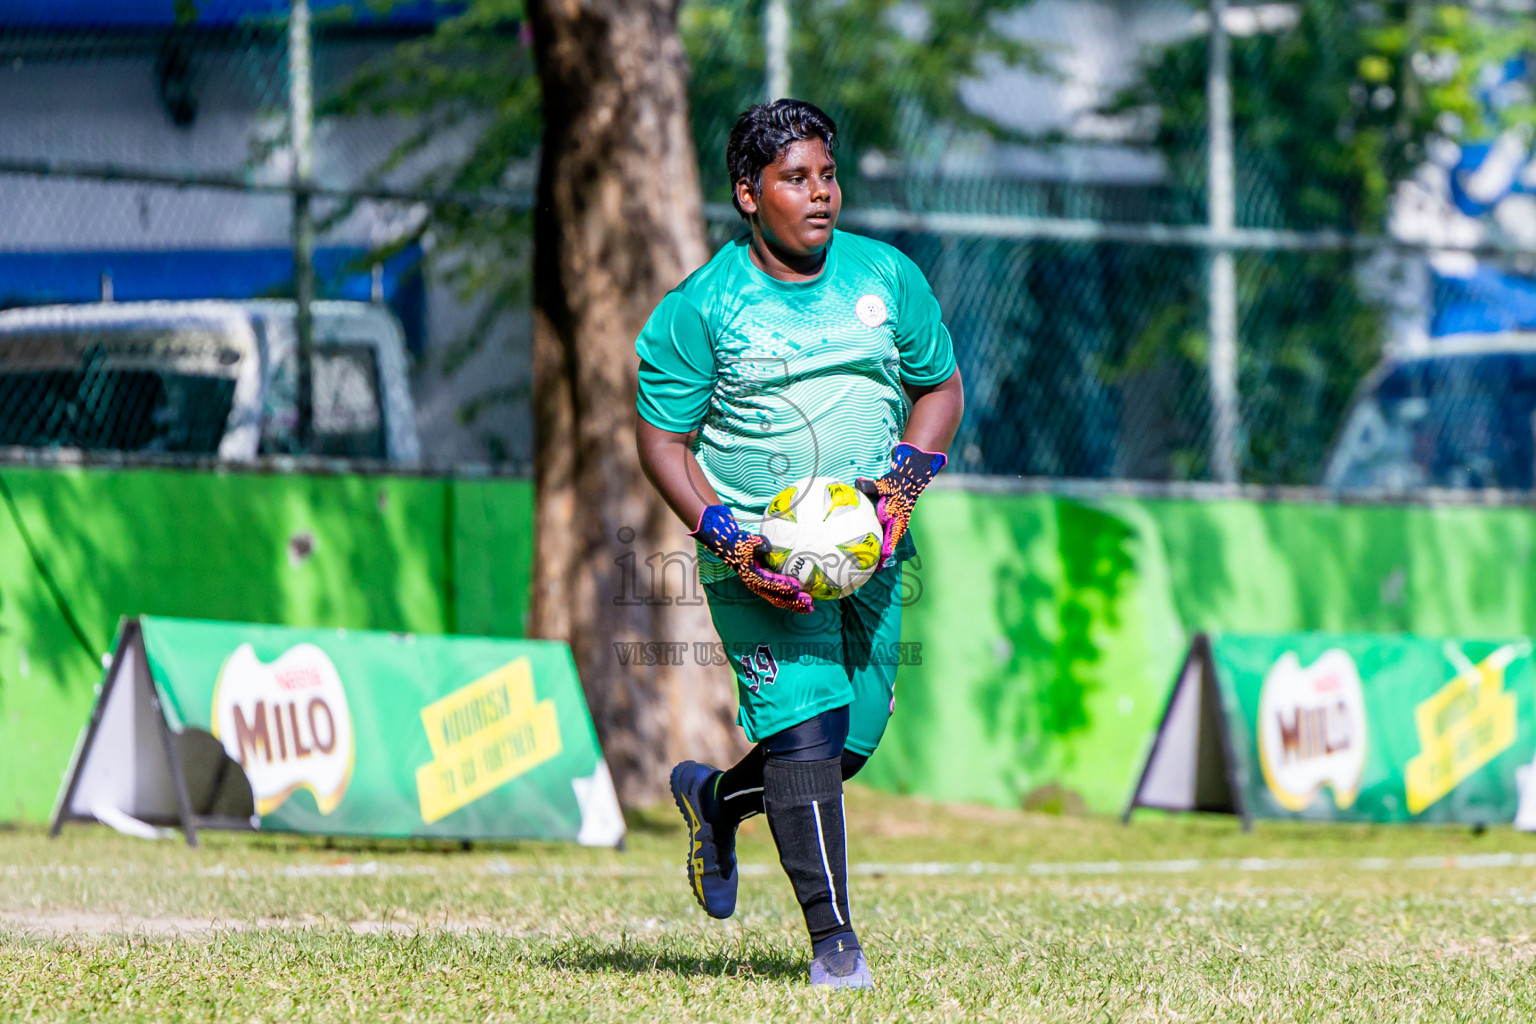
<point x="1349" y="727"/>
<point x="340" y="732"/>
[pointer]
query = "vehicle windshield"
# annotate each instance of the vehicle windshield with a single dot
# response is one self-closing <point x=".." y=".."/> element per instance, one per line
<point x="130" y="388"/>
<point x="348" y="412"/>
<point x="1462" y="421"/>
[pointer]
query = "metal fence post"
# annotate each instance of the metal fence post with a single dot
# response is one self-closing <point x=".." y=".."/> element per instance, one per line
<point x="301" y="113"/>
<point x="776" y="32"/>
<point x="1226" y="423"/>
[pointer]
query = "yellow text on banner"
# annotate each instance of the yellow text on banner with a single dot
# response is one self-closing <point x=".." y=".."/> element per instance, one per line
<point x="1462" y="726"/>
<point x="484" y="735"/>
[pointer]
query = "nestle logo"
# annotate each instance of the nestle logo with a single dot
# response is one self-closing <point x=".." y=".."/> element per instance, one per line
<point x="300" y="678"/>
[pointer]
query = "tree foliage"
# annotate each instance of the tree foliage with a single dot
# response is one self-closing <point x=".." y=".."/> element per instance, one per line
<point x="470" y="92"/>
<point x="1329" y="118"/>
<point x="890" y="72"/>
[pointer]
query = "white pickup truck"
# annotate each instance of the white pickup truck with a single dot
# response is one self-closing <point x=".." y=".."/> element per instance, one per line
<point x="204" y="378"/>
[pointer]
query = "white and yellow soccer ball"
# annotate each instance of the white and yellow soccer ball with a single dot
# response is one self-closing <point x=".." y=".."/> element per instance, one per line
<point x="825" y="534"/>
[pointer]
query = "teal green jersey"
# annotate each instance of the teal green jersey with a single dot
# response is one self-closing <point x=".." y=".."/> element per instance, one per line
<point x="787" y="381"/>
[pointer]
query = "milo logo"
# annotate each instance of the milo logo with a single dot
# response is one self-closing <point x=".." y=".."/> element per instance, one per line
<point x="287" y="724"/>
<point x="1312" y="729"/>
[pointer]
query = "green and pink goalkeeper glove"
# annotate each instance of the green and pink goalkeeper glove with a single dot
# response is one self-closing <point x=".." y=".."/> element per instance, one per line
<point x="895" y="494"/>
<point x="723" y="536"/>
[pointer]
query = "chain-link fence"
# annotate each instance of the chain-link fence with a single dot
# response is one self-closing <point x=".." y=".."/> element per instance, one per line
<point x="1171" y="239"/>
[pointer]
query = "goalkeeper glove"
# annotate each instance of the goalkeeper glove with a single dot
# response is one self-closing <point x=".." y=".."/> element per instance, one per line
<point x="723" y="536"/>
<point x="896" y="493"/>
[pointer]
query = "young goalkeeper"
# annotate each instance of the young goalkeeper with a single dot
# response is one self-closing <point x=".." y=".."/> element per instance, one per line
<point x="797" y="351"/>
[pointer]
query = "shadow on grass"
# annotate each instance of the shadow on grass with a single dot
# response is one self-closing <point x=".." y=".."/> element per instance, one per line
<point x="639" y="959"/>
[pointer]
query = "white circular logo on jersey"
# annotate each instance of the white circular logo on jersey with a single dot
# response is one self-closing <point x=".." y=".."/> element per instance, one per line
<point x="870" y="309"/>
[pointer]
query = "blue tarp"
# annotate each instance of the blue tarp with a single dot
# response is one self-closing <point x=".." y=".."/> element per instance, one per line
<point x="1486" y="302"/>
<point x="1489" y="300"/>
<point x="37" y="278"/>
<point x="127" y="14"/>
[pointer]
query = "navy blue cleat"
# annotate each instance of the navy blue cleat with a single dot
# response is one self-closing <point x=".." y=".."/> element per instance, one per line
<point x="711" y="862"/>
<point x="841" y="968"/>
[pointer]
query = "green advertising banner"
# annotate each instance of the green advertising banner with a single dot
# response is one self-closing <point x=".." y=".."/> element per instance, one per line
<point x="1048" y="624"/>
<point x="1348" y="727"/>
<point x="341" y="732"/>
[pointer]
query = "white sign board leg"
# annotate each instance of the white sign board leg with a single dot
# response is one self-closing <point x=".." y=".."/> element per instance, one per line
<point x="125" y="770"/>
<point x="1190" y="766"/>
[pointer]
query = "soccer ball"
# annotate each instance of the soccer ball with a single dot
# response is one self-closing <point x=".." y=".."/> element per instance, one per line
<point x="825" y="534"/>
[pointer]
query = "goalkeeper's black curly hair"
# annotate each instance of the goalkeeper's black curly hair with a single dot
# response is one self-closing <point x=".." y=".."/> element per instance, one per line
<point x="764" y="131"/>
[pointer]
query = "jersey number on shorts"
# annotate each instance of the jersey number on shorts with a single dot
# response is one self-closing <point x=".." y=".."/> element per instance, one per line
<point x="760" y="669"/>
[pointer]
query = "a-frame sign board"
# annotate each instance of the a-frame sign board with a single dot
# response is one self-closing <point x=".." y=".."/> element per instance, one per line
<point x="131" y="770"/>
<point x="1191" y="766"/>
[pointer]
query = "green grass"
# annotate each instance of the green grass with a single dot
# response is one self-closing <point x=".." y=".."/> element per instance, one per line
<point x="98" y="927"/>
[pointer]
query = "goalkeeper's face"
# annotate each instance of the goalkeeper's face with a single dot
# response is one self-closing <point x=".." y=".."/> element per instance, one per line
<point x="798" y="204"/>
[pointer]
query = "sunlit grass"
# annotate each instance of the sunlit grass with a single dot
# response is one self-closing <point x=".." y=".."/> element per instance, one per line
<point x="967" y="914"/>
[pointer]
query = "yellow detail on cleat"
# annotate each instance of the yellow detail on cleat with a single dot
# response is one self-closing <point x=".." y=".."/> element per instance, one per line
<point x="695" y="851"/>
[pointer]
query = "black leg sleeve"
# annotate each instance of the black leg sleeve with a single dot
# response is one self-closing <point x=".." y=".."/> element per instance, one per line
<point x="738" y="792"/>
<point x="804" y="801"/>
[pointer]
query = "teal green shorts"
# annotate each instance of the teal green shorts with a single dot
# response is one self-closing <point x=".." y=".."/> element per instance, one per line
<point x="791" y="667"/>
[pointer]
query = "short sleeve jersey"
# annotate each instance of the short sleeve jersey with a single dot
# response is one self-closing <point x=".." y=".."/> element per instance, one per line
<point x="785" y="381"/>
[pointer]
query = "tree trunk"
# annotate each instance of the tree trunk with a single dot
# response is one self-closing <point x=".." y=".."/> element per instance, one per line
<point x="619" y="222"/>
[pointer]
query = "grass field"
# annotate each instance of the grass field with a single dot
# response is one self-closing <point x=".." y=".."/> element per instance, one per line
<point x="967" y="914"/>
